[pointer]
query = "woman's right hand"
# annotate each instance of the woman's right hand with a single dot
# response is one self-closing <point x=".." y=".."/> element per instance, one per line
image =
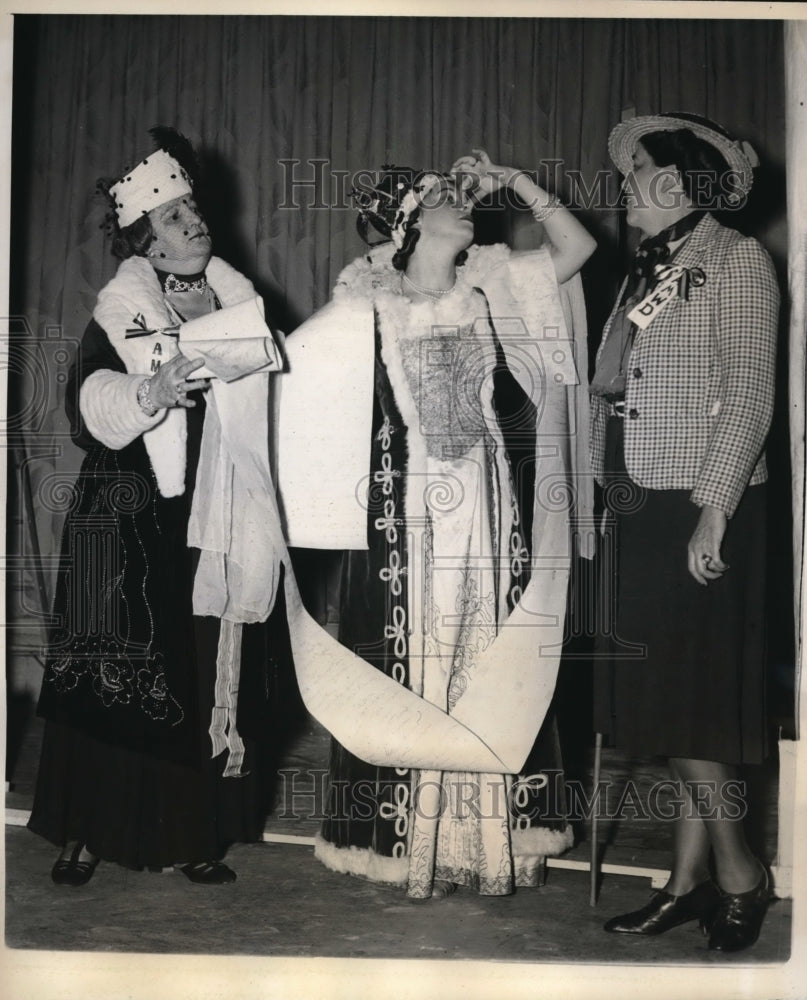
<point x="169" y="386"/>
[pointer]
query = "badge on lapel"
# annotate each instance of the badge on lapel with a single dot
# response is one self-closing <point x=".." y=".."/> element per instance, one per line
<point x="673" y="282"/>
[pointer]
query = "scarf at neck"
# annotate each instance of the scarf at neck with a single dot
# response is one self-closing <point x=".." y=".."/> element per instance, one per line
<point x="655" y="250"/>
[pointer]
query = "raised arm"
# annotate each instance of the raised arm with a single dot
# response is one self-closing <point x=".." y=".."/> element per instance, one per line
<point x="570" y="243"/>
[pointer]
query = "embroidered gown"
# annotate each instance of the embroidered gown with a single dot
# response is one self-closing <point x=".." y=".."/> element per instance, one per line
<point x="128" y="689"/>
<point x="446" y="561"/>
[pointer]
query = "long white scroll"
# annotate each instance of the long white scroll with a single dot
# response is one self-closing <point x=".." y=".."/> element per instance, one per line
<point x="324" y="439"/>
<point x="231" y="341"/>
<point x="496" y="720"/>
<point x="494" y="724"/>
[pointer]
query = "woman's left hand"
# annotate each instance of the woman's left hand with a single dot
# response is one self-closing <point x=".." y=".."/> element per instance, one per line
<point x="486" y="177"/>
<point x="703" y="554"/>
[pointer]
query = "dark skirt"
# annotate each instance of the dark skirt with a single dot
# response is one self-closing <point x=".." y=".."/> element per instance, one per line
<point x="680" y="668"/>
<point x="126" y="757"/>
<point x="138" y="809"/>
<point x="129" y="680"/>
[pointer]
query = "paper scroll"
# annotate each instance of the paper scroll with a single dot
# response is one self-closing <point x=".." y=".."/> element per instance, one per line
<point x="494" y="724"/>
<point x="322" y="462"/>
<point x="233" y="342"/>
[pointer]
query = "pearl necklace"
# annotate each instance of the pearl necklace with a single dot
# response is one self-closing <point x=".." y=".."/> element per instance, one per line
<point x="433" y="293"/>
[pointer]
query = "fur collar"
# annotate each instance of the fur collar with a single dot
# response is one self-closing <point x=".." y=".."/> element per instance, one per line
<point x="134" y="299"/>
<point x="372" y="276"/>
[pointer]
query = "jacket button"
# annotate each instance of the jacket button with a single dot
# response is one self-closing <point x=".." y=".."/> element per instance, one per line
<point x="633" y="414"/>
<point x="637" y="372"/>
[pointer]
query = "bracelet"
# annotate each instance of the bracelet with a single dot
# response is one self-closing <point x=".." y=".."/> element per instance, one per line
<point x="543" y="212"/>
<point x="144" y="398"/>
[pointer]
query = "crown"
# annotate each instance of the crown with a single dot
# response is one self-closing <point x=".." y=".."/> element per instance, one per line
<point x="387" y="206"/>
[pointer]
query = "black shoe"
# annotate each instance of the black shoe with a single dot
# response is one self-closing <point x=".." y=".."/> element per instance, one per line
<point x="736" y="922"/>
<point x="208" y="873"/>
<point x="665" y="911"/>
<point x="72" y="871"/>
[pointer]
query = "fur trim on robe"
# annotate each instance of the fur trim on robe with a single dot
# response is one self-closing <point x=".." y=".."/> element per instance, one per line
<point x="134" y="299"/>
<point x="361" y="862"/>
<point x="110" y="409"/>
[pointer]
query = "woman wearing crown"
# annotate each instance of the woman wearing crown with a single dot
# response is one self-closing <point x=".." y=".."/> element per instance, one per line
<point x="471" y="369"/>
<point x="128" y="692"/>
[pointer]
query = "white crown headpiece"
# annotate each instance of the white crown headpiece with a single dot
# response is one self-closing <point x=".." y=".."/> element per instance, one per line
<point x="153" y="182"/>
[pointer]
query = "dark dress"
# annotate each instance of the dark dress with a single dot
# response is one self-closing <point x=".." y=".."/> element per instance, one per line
<point x="128" y="689"/>
<point x="681" y="669"/>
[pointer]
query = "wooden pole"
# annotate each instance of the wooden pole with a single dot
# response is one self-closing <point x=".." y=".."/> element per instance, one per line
<point x="594" y="869"/>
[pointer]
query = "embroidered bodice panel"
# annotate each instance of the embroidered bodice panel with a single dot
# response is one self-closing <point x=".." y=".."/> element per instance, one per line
<point x="448" y="357"/>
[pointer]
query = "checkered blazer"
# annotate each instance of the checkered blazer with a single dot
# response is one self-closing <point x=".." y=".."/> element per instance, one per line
<point x="700" y="380"/>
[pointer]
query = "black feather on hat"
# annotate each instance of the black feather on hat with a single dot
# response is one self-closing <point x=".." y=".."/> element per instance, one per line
<point x="179" y="147"/>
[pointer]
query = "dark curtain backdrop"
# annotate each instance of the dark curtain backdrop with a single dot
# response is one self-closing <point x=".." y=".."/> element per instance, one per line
<point x="352" y="93"/>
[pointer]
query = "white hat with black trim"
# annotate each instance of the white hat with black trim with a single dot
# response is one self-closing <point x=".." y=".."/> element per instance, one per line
<point x="153" y="182"/>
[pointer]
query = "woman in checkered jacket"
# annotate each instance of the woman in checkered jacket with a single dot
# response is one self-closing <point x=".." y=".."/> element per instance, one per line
<point x="682" y="400"/>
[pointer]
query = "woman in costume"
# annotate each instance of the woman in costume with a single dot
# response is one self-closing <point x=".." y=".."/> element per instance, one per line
<point x="683" y="398"/>
<point x="126" y="773"/>
<point x="449" y="541"/>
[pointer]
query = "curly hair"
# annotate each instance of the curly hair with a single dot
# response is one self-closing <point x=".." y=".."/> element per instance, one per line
<point x="130" y="241"/>
<point x="706" y="177"/>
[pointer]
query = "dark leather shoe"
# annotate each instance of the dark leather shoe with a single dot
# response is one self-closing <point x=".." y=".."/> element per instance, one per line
<point x="71" y="870"/>
<point x="736" y="922"/>
<point x="665" y="911"/>
<point x="208" y="873"/>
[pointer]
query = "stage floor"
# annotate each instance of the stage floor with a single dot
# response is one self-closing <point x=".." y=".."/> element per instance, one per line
<point x="285" y="903"/>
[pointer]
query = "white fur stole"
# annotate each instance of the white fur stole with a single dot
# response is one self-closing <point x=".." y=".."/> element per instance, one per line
<point x="133" y="300"/>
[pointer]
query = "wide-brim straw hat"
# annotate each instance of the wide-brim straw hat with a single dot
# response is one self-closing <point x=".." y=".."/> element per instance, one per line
<point x="739" y="156"/>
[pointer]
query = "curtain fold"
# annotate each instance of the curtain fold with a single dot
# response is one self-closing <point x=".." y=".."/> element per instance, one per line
<point x="284" y="109"/>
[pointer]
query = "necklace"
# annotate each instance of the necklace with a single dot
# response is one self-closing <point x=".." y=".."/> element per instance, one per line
<point x="175" y="284"/>
<point x="433" y="293"/>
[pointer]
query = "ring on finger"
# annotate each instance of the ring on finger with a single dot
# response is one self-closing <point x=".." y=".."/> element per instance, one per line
<point x="706" y="559"/>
